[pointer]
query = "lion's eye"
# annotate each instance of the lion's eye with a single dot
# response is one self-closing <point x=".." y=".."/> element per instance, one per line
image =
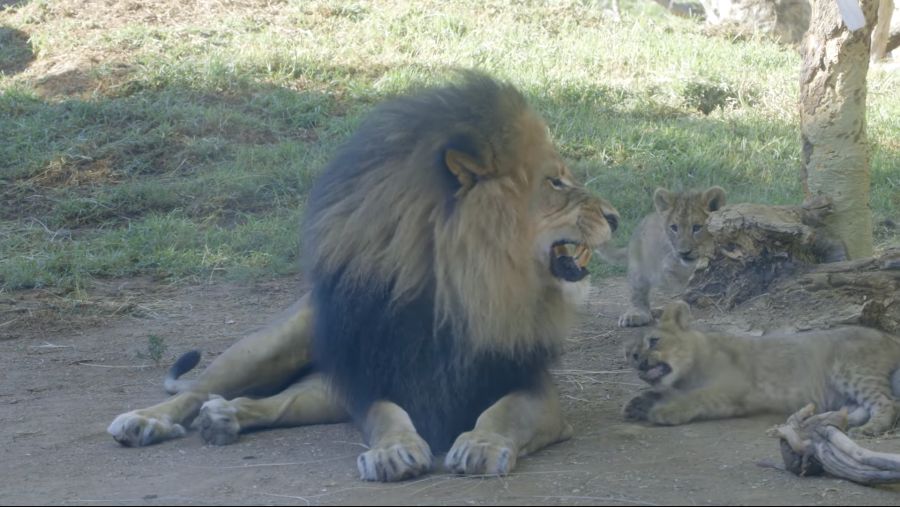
<point x="652" y="342"/>
<point x="674" y="227"/>
<point x="697" y="228"/>
<point x="556" y="183"/>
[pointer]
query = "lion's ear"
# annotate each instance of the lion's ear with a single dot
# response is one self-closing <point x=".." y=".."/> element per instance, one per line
<point x="678" y="313"/>
<point x="662" y="199"/>
<point x="466" y="169"/>
<point x="715" y="198"/>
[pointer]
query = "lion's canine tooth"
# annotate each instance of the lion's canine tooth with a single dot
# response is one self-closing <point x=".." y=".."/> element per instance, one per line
<point x="583" y="255"/>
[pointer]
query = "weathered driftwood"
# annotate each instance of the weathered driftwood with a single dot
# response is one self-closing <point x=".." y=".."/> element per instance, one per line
<point x="813" y="444"/>
<point x="782" y="252"/>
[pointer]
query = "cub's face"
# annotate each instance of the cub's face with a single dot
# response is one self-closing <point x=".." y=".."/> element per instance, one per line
<point x="666" y="353"/>
<point x="685" y="216"/>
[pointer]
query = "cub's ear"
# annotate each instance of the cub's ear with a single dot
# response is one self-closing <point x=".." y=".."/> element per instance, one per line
<point x="678" y="313"/>
<point x="662" y="199"/>
<point x="714" y="198"/>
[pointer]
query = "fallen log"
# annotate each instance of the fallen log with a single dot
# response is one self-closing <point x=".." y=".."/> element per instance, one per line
<point x="780" y="254"/>
<point x="815" y="444"/>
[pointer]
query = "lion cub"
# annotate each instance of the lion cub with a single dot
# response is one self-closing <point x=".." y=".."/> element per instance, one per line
<point x="664" y="249"/>
<point x="704" y="375"/>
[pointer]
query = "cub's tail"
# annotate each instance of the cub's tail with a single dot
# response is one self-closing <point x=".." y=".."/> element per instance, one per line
<point x="184" y="364"/>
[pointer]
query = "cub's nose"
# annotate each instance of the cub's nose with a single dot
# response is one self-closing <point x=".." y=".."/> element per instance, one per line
<point x="644" y="365"/>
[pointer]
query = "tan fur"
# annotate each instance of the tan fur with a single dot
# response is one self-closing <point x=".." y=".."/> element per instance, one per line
<point x="665" y="248"/>
<point x="484" y="252"/>
<point x="716" y="375"/>
<point x="491" y="260"/>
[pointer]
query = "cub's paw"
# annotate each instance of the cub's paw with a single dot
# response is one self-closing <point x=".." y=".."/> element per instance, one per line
<point x="482" y="453"/>
<point x="637" y="408"/>
<point x="635" y="318"/>
<point x="397" y="457"/>
<point x="217" y="421"/>
<point x="138" y="428"/>
<point x="668" y="414"/>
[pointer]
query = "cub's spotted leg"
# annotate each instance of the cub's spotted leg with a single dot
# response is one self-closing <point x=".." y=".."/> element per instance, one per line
<point x="396" y="451"/>
<point x="306" y="402"/>
<point x="680" y="408"/>
<point x="882" y="411"/>
<point x="264" y="360"/>
<point x="518" y="424"/>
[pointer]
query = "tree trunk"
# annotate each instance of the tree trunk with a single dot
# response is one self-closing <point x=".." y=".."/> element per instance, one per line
<point x="833" y="121"/>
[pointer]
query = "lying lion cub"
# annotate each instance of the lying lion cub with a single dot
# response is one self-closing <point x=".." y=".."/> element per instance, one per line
<point x="704" y="375"/>
<point x="666" y="246"/>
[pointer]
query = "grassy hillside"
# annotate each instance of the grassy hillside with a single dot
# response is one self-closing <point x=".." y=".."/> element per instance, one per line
<point x="178" y="138"/>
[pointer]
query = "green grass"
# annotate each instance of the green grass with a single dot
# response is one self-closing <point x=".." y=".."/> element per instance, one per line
<point x="178" y="140"/>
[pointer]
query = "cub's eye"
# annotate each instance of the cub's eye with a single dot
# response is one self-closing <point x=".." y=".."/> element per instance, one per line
<point x="556" y="183"/>
<point x="635" y="356"/>
<point x="674" y="227"/>
<point x="697" y="228"/>
<point x="652" y="342"/>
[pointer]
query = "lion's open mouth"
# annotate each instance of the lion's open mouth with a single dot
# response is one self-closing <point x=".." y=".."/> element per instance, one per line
<point x="569" y="259"/>
<point x="655" y="374"/>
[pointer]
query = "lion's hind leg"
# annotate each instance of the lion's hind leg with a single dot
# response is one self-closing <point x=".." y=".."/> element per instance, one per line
<point x="306" y="402"/>
<point x="157" y="423"/>
<point x="262" y="362"/>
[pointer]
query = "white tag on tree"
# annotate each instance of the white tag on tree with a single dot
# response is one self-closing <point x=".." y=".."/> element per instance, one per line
<point x="852" y="14"/>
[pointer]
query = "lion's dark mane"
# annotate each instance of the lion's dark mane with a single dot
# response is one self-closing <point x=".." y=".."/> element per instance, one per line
<point x="372" y="345"/>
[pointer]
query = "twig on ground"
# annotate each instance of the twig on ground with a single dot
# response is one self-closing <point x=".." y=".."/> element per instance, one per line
<point x="137" y="366"/>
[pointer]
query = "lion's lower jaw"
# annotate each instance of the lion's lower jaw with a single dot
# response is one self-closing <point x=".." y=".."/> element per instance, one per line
<point x="577" y="294"/>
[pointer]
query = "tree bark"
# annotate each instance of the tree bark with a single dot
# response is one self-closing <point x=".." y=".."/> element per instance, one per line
<point x="778" y="261"/>
<point x="833" y="121"/>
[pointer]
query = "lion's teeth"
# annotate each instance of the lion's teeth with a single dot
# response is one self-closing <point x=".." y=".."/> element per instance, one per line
<point x="583" y="255"/>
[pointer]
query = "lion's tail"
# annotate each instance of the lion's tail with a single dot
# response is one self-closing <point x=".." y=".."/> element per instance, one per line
<point x="184" y="364"/>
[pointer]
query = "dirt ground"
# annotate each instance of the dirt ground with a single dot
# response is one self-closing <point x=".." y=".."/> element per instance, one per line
<point x="68" y="370"/>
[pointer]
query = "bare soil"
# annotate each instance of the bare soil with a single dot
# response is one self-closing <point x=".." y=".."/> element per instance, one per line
<point x="69" y="369"/>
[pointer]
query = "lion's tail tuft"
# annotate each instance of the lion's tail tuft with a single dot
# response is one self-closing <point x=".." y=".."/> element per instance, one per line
<point x="184" y="364"/>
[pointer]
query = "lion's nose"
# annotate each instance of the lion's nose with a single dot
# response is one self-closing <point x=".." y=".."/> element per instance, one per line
<point x="644" y="366"/>
<point x="612" y="220"/>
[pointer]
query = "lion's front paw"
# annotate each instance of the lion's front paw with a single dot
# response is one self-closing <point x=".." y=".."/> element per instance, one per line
<point x="482" y="453"/>
<point x="138" y="428"/>
<point x="217" y="421"/>
<point x="638" y="408"/>
<point x="668" y="414"/>
<point x="635" y="318"/>
<point x="402" y="456"/>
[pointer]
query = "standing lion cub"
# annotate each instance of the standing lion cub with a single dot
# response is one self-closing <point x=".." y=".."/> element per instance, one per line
<point x="703" y="375"/>
<point x="665" y="247"/>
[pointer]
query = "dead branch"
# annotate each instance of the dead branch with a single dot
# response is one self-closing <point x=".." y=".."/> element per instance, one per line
<point x="782" y="253"/>
<point x="813" y="444"/>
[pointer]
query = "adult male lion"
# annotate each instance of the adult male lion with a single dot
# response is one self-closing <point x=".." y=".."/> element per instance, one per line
<point x="446" y="243"/>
